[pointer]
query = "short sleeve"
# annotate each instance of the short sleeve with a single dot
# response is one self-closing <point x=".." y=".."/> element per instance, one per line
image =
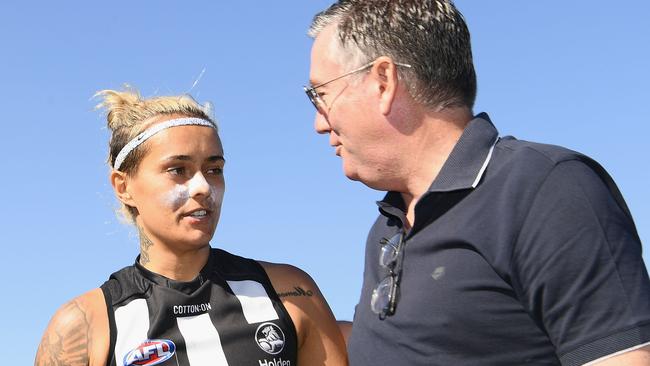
<point x="578" y="266"/>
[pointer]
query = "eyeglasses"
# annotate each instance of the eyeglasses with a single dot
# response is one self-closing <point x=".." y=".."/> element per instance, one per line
<point x="384" y="296"/>
<point x="314" y="96"/>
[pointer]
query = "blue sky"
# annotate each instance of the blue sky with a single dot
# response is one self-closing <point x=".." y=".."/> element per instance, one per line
<point x="568" y="73"/>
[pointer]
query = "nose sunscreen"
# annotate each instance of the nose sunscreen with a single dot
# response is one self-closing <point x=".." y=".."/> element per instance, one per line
<point x="198" y="184"/>
<point x="177" y="197"/>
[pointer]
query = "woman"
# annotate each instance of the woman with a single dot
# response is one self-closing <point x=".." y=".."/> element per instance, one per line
<point x="182" y="302"/>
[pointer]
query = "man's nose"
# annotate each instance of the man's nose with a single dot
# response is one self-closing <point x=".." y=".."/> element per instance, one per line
<point x="321" y="124"/>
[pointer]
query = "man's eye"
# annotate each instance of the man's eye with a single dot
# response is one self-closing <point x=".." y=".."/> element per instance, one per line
<point x="176" y="171"/>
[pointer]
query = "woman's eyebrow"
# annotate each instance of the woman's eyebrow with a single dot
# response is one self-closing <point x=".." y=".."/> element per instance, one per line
<point x="211" y="158"/>
<point x="178" y="157"/>
<point x="214" y="158"/>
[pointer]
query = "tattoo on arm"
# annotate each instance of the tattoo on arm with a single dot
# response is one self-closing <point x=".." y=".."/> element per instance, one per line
<point x="67" y="342"/>
<point x="297" y="291"/>
<point x="145" y="244"/>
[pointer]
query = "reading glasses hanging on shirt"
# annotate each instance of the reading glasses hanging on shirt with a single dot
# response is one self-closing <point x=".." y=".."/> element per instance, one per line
<point x="384" y="296"/>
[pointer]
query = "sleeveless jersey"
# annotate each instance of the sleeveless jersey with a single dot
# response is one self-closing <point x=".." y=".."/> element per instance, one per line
<point x="229" y="315"/>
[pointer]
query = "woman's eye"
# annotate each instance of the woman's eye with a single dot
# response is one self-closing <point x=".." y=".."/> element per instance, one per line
<point x="176" y="171"/>
<point x="215" y="171"/>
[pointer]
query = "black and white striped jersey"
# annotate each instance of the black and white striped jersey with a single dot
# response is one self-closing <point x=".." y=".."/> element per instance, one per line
<point x="229" y="315"/>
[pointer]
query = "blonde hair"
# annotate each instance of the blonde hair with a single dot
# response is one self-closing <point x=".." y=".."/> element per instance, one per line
<point x="128" y="114"/>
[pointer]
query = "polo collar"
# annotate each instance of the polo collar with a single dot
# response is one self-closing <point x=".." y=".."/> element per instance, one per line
<point x="466" y="164"/>
<point x="470" y="157"/>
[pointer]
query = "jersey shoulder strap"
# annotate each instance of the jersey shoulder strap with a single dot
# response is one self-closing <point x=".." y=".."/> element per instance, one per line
<point x="121" y="287"/>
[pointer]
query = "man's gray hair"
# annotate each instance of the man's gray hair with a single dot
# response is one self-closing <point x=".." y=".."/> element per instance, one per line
<point x="429" y="35"/>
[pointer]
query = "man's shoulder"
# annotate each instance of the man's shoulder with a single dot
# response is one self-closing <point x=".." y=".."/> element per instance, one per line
<point x="523" y="167"/>
<point x="522" y="151"/>
<point x="520" y="159"/>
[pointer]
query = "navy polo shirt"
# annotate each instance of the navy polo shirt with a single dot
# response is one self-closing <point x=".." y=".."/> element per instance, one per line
<point x="520" y="254"/>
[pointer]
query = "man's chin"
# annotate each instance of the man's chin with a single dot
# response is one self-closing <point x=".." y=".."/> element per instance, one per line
<point x="354" y="175"/>
<point x="376" y="183"/>
<point x="350" y="173"/>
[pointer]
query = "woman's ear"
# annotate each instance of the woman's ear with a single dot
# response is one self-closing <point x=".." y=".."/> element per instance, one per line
<point x="120" y="183"/>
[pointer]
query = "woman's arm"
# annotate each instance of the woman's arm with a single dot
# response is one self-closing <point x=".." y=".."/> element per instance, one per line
<point x="346" y="328"/>
<point x="319" y="339"/>
<point x="78" y="333"/>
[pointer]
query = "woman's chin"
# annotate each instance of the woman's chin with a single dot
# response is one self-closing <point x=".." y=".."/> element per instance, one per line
<point x="191" y="241"/>
<point x="199" y="240"/>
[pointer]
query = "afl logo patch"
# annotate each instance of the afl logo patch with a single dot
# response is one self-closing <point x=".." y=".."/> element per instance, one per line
<point x="270" y="338"/>
<point x="150" y="352"/>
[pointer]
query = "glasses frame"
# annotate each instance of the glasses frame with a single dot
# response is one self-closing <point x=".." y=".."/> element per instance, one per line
<point x="394" y="271"/>
<point x="316" y="99"/>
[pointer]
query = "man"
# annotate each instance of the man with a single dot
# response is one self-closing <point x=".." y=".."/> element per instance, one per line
<point x="487" y="250"/>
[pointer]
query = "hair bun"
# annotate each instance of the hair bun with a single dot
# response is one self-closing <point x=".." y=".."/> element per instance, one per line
<point x="123" y="107"/>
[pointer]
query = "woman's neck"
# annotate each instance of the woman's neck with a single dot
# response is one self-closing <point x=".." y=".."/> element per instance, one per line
<point x="173" y="263"/>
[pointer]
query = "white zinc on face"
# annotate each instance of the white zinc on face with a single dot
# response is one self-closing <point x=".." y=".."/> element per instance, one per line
<point x="177" y="197"/>
<point x="181" y="193"/>
<point x="197" y="185"/>
<point x="216" y="197"/>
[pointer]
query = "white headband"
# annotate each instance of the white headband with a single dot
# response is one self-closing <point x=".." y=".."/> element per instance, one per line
<point x="146" y="134"/>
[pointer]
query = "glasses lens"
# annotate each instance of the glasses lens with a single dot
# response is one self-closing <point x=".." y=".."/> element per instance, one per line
<point x="389" y="251"/>
<point x="313" y="97"/>
<point x="381" y="296"/>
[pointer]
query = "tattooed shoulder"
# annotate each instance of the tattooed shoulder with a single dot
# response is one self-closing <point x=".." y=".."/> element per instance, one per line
<point x="296" y="291"/>
<point x="67" y="338"/>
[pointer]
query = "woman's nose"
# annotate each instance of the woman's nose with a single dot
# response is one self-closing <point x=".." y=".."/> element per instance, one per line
<point x="198" y="185"/>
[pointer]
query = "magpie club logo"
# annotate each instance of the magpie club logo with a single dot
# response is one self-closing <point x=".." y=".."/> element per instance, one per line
<point x="270" y="338"/>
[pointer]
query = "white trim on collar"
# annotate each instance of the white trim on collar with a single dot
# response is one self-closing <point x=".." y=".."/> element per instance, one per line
<point x="485" y="164"/>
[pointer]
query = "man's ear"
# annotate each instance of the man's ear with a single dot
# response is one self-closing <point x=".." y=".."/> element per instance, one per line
<point x="385" y="72"/>
<point x="120" y="183"/>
